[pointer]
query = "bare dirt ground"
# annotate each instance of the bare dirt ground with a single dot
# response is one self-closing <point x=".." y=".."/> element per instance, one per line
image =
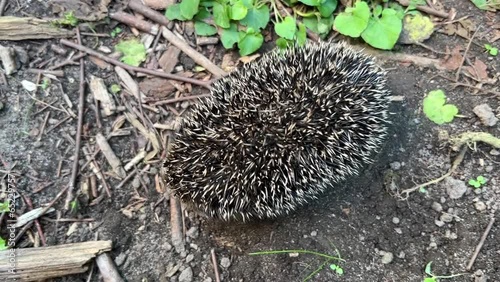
<point x="380" y="236"/>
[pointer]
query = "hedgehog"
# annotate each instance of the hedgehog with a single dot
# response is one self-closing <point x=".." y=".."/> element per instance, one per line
<point x="277" y="132"/>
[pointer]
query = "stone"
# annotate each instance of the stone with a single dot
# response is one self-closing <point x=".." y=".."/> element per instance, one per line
<point x="395" y="165"/>
<point x="455" y="188"/>
<point x="395" y="220"/>
<point x="387" y="257"/>
<point x="480" y="205"/>
<point x="189" y="258"/>
<point x="120" y="259"/>
<point x="186" y="275"/>
<point x="437" y="206"/>
<point x="439" y="223"/>
<point x="193" y="232"/>
<point x="486" y="114"/>
<point x="225" y="262"/>
<point x="314" y="233"/>
<point x="446" y="217"/>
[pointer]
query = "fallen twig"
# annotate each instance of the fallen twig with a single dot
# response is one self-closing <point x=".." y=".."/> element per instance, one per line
<point x="426" y="9"/>
<point x="58" y="73"/>
<point x="176" y="224"/>
<point x="81" y="102"/>
<point x="132" y="68"/>
<point x="42" y="129"/>
<point x="68" y="62"/>
<point x="108" y="269"/>
<point x="37" y="223"/>
<point x="180" y="99"/>
<point x="457" y="75"/>
<point x="467" y="137"/>
<point x="406" y="193"/>
<point x="133" y="21"/>
<point x="480" y="244"/>
<point x="216" y="267"/>
<point x="170" y="36"/>
<point x="110" y="155"/>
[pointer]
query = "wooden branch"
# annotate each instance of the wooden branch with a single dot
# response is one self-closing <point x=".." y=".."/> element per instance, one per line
<point x="16" y="28"/>
<point x="108" y="269"/>
<point x="133" y="21"/>
<point x="32" y="264"/>
<point x="110" y="156"/>
<point x="426" y="9"/>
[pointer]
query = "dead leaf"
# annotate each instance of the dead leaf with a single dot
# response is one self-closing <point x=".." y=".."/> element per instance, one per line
<point x="455" y="60"/>
<point x="248" y="59"/>
<point x="479" y="70"/>
<point x="157" y="87"/>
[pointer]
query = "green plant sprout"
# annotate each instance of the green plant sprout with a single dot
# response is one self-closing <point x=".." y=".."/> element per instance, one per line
<point x="45" y="83"/>
<point x="493" y="51"/>
<point x="422" y="190"/>
<point x="74" y="206"/>
<point x="115" y="88"/>
<point x="4" y="207"/>
<point x="478" y="182"/>
<point x="115" y="32"/>
<point x="435" y="278"/>
<point x="3" y="244"/>
<point x="329" y="260"/>
<point x="436" y="109"/>
<point x="68" y="19"/>
<point x="134" y="52"/>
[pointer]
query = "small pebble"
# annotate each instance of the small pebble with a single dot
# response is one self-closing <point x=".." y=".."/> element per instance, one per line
<point x="486" y="115"/>
<point x="193" y="232"/>
<point x="189" y="258"/>
<point x="437" y="206"/>
<point x="186" y="275"/>
<point x="395" y="220"/>
<point x="480" y="206"/>
<point x="439" y="223"/>
<point x="489" y="168"/>
<point x="120" y="259"/>
<point x="454" y="187"/>
<point x="433" y="245"/>
<point x="446" y="217"/>
<point x="494" y="152"/>
<point x="395" y="165"/>
<point x="37" y="144"/>
<point x="225" y="262"/>
<point x="136" y="183"/>
<point x="314" y="233"/>
<point x="398" y="230"/>
<point x="401" y="255"/>
<point x="387" y="257"/>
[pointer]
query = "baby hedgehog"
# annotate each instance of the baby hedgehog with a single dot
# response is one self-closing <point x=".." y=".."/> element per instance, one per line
<point x="278" y="131"/>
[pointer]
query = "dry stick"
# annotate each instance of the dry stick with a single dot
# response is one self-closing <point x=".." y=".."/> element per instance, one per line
<point x="426" y="9"/>
<point x="177" y="42"/>
<point x="454" y="166"/>
<point x="216" y="268"/>
<point x="176" y="223"/>
<point x="42" y="129"/>
<point x="68" y="62"/>
<point x="37" y="223"/>
<point x="79" y="126"/>
<point x="108" y="269"/>
<point x="457" y="75"/>
<point x="179" y="99"/>
<point x="133" y="21"/>
<point x="480" y="244"/>
<point x="57" y="124"/>
<point x="58" y="73"/>
<point x="132" y="68"/>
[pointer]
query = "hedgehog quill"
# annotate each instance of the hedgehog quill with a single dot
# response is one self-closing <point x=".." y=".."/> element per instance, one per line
<point x="276" y="133"/>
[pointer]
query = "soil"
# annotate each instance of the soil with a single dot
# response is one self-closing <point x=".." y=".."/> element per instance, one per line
<point x="363" y="220"/>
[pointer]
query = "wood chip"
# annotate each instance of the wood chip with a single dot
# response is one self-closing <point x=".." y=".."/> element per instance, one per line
<point x="130" y="83"/>
<point x="98" y="89"/>
<point x="22" y="28"/>
<point x="110" y="155"/>
<point x="169" y="59"/>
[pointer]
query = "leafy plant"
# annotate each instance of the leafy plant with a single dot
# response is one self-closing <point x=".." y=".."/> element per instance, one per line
<point x="436" y="109"/>
<point x="491" y="50"/>
<point x="115" y="32"/>
<point x="45" y="83"/>
<point x="329" y="259"/>
<point x="68" y="19"/>
<point x="134" y="52"/>
<point x="435" y="278"/>
<point x="3" y="244"/>
<point x="4" y="207"/>
<point x="478" y="182"/>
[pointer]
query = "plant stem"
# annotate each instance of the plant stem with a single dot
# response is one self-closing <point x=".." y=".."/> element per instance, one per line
<point x="296" y="251"/>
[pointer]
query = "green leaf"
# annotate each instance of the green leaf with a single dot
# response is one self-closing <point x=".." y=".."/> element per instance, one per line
<point x="202" y="14"/>
<point x="491" y="50"/>
<point x="189" y="8"/>
<point x="238" y="11"/>
<point x="377" y="12"/>
<point x="249" y="43"/>
<point x="428" y="268"/>
<point x="383" y="33"/>
<point x="301" y="35"/>
<point x="256" y="18"/>
<point x="481" y="179"/>
<point x="3" y="244"/>
<point x="4" y="207"/>
<point x="286" y="28"/>
<point x="115" y="88"/>
<point x="326" y="8"/>
<point x="339" y="270"/>
<point x="282" y="43"/>
<point x="474" y="183"/>
<point x="430" y="279"/>
<point x="204" y="29"/>
<point x="481" y="4"/>
<point x="173" y="12"/>
<point x="435" y="108"/>
<point x="354" y="20"/>
<point x="134" y="52"/>
<point x="221" y="15"/>
<point x="321" y="26"/>
<point x="248" y="3"/>
<point x="312" y="3"/>
<point x="230" y="36"/>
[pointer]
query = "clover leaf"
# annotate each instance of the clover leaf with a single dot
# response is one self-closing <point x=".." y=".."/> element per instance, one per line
<point x="435" y="108"/>
<point x="286" y="28"/>
<point x="354" y="20"/>
<point x="491" y="50"/>
<point x="383" y="32"/>
<point x="250" y="41"/>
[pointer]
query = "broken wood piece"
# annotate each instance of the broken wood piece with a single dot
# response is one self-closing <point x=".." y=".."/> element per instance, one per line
<point x="130" y="84"/>
<point x="135" y="160"/>
<point x="8" y="58"/>
<point x="22" y="28"/>
<point x="34" y="264"/>
<point x="98" y="89"/>
<point x="31" y="215"/>
<point x="133" y="21"/>
<point x="108" y="269"/>
<point x="58" y="73"/>
<point x="169" y="59"/>
<point x="110" y="155"/>
<point x="202" y="40"/>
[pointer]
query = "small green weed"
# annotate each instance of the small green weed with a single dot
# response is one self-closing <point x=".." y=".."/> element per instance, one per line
<point x="134" y="52"/>
<point x="115" y="88"/>
<point x="68" y="19"/>
<point x="493" y="51"/>
<point x="478" y="182"/>
<point x="74" y="206"/>
<point x="4" y="207"/>
<point x="115" y="32"/>
<point x="435" y="108"/>
<point x="328" y="260"/>
<point x="3" y="244"/>
<point x="435" y="278"/>
<point x="45" y="83"/>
